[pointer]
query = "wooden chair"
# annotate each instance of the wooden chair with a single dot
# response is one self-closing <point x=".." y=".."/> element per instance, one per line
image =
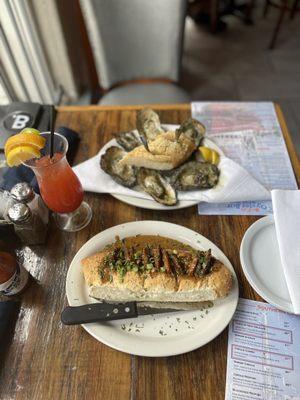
<point x="284" y="6"/>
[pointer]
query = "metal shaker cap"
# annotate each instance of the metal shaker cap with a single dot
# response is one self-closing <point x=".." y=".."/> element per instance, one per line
<point x="19" y="213"/>
<point x="22" y="192"/>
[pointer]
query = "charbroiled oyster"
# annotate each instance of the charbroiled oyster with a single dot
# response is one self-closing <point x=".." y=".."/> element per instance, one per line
<point x="157" y="186"/>
<point x="195" y="175"/>
<point x="123" y="174"/>
<point x="128" y="140"/>
<point x="192" y="129"/>
<point x="148" y="125"/>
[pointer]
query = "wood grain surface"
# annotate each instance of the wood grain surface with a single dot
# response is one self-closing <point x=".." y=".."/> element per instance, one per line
<point x="47" y="360"/>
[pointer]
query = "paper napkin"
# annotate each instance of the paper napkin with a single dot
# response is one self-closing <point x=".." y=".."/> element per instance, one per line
<point x="286" y="208"/>
<point x="235" y="183"/>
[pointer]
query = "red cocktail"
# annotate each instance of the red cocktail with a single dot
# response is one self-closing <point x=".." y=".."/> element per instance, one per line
<point x="60" y="188"/>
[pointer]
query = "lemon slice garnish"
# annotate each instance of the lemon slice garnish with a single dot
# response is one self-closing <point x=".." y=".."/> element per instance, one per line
<point x="24" y="139"/>
<point x="30" y="130"/>
<point x="21" y="153"/>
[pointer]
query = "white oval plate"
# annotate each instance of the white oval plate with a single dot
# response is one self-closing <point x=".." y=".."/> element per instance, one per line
<point x="159" y="335"/>
<point x="152" y="204"/>
<point x="261" y="264"/>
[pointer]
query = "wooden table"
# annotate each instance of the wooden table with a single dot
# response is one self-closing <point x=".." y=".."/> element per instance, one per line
<point x="47" y="360"/>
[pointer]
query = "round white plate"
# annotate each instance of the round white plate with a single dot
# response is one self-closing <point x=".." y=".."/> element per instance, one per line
<point x="156" y="335"/>
<point x="152" y="204"/>
<point x="261" y="263"/>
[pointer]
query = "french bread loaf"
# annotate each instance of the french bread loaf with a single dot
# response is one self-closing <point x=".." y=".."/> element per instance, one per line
<point x="177" y="278"/>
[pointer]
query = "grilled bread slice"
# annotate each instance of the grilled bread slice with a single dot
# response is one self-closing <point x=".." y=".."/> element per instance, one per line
<point x="165" y="152"/>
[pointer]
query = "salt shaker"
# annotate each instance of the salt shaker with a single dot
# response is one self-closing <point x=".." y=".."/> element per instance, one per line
<point x="6" y="201"/>
<point x="23" y="193"/>
<point x="29" y="226"/>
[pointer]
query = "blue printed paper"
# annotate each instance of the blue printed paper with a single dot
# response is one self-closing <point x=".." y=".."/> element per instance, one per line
<point x="250" y="134"/>
<point x="263" y="359"/>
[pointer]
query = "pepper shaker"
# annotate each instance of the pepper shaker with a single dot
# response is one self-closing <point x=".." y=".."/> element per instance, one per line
<point x="30" y="227"/>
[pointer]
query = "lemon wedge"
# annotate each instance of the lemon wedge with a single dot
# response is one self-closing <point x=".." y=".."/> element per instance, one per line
<point x="30" y="130"/>
<point x="24" y="139"/>
<point x="215" y="158"/>
<point x="209" y="155"/>
<point x="21" y="153"/>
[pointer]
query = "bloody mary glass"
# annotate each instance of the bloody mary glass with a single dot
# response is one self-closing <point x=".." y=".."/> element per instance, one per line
<point x="60" y="188"/>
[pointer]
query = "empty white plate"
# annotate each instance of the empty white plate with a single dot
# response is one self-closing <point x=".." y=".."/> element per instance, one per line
<point x="261" y="263"/>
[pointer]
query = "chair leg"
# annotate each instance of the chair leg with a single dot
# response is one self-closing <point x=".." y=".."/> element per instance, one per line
<point x="266" y="8"/>
<point x="249" y="9"/>
<point x="214" y="14"/>
<point x="279" y="22"/>
<point x="294" y="9"/>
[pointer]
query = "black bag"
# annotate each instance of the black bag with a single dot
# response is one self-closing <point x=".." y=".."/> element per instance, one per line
<point x="16" y="116"/>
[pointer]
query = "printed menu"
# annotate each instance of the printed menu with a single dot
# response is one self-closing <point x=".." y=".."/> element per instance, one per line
<point x="263" y="360"/>
<point x="250" y="134"/>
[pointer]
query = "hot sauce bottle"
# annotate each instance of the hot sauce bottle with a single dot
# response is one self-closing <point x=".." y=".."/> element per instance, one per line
<point x="13" y="277"/>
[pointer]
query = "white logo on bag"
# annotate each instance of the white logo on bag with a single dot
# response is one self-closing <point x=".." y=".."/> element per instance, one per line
<point x="20" y="121"/>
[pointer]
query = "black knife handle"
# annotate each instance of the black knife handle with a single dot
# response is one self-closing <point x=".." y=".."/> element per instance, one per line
<point x="98" y="312"/>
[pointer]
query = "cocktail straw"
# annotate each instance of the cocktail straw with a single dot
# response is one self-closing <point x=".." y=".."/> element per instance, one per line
<point x="51" y="130"/>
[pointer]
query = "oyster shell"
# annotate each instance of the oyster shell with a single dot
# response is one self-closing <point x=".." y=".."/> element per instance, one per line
<point x="192" y="129"/>
<point x="128" y="140"/>
<point x="123" y="174"/>
<point x="148" y="125"/>
<point x="157" y="186"/>
<point x="195" y="175"/>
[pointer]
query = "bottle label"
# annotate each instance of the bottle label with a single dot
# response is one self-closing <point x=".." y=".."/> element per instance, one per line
<point x="16" y="283"/>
